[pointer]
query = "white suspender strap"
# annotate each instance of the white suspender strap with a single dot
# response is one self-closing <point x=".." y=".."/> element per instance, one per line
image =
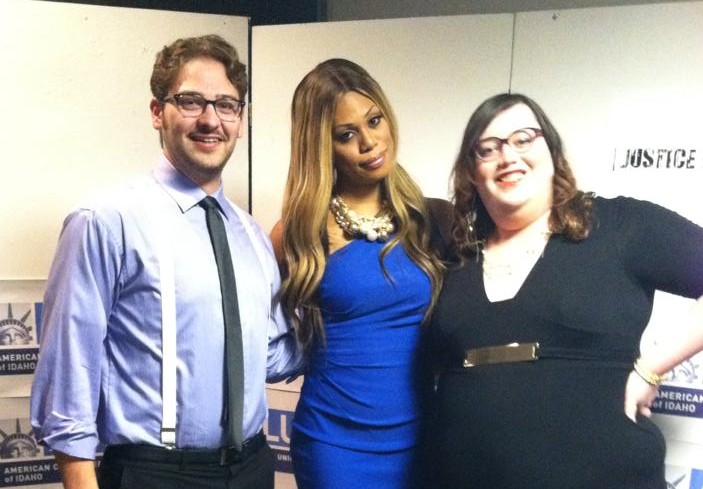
<point x="168" y="321"/>
<point x="168" y="335"/>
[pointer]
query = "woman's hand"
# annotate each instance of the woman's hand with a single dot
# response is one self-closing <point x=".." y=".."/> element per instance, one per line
<point x="686" y="341"/>
<point x="639" y="396"/>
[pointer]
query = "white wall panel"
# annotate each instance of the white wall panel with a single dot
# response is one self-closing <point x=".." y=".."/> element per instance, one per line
<point x="618" y="78"/>
<point x="429" y="71"/>
<point x="614" y="80"/>
<point x="628" y="79"/>
<point x="433" y="70"/>
<point x="75" y="122"/>
<point x="75" y="104"/>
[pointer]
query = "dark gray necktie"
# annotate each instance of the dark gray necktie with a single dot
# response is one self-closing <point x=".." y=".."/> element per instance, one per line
<point x="233" y="328"/>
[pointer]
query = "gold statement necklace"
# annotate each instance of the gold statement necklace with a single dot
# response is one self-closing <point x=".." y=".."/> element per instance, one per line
<point x="372" y="229"/>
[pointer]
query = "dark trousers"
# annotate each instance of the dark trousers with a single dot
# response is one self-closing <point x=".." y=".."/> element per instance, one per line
<point x="125" y="472"/>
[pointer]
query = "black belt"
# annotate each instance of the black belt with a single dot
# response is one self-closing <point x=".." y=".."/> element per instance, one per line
<point x="222" y="456"/>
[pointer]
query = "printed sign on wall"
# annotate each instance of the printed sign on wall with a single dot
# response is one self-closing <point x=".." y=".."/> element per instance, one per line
<point x="683" y="394"/>
<point x="673" y="159"/>
<point x="683" y="477"/>
<point x="20" y="330"/>
<point x="22" y="460"/>
<point x="278" y="437"/>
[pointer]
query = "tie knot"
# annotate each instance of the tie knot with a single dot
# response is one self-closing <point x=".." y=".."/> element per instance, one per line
<point x="209" y="203"/>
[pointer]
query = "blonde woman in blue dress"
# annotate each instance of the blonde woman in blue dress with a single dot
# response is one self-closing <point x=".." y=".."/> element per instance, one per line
<point x="355" y="243"/>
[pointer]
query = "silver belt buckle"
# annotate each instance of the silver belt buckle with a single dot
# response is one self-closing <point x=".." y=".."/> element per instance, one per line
<point x="514" y="352"/>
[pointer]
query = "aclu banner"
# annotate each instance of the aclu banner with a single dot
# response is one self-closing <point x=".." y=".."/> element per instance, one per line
<point x="20" y="328"/>
<point x="23" y="461"/>
<point x="682" y="394"/>
<point x="278" y="429"/>
<point x="680" y="401"/>
<point x="678" y="477"/>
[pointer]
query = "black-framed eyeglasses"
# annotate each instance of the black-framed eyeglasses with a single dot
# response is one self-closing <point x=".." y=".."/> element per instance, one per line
<point x="228" y="109"/>
<point x="490" y="149"/>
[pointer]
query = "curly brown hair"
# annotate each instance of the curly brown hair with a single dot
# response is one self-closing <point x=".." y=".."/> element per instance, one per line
<point x="171" y="59"/>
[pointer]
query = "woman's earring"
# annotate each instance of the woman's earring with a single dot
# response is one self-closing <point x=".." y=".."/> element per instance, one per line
<point x="470" y="221"/>
<point x="471" y="216"/>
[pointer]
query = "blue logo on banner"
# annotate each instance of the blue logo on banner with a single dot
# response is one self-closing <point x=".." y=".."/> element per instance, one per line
<point x="38" y="307"/>
<point x="696" y="479"/>
<point x="278" y="431"/>
<point x="680" y="401"/>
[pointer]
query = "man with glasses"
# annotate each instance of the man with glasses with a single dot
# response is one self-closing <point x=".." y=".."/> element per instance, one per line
<point x="149" y="347"/>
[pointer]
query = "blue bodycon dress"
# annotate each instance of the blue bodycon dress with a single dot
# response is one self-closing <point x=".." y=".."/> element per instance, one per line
<point x="356" y="424"/>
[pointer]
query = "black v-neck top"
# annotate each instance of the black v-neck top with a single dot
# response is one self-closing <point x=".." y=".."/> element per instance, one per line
<point x="559" y="422"/>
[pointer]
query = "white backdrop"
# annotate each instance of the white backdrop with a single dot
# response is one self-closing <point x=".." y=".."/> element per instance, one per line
<point x="612" y="79"/>
<point x="75" y="99"/>
<point x="433" y="70"/>
<point x="618" y="79"/>
<point x="75" y="121"/>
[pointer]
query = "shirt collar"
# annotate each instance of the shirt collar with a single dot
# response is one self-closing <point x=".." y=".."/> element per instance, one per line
<point x="182" y="189"/>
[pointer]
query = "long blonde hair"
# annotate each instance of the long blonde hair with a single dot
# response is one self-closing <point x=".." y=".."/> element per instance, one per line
<point x="309" y="189"/>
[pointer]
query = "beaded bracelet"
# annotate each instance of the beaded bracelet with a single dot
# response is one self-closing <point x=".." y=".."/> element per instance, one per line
<point x="650" y="377"/>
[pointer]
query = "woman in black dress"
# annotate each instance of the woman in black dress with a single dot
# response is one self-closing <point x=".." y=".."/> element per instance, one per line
<point x="537" y="332"/>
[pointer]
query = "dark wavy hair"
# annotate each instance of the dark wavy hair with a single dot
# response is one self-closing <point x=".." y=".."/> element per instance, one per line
<point x="571" y="214"/>
<point x="171" y="59"/>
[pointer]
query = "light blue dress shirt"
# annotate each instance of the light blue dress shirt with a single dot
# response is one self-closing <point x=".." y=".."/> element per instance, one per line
<point x="98" y="378"/>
